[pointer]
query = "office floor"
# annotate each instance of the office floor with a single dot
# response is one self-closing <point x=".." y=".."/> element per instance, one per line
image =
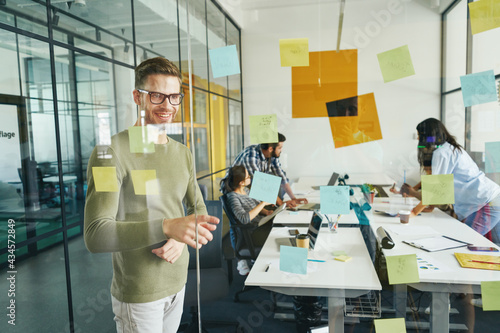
<point x="41" y="300"/>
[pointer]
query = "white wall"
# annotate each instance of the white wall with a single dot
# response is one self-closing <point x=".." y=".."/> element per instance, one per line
<point x="372" y="27"/>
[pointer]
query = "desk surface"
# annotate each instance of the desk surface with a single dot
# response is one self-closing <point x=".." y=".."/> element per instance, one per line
<point x="303" y="217"/>
<point x="352" y="278"/>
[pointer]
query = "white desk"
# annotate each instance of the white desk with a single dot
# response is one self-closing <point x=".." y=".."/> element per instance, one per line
<point x="303" y="217"/>
<point x="451" y="277"/>
<point x="333" y="279"/>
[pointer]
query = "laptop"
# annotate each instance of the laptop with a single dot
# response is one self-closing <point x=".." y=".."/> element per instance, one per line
<point x="331" y="182"/>
<point x="316" y="206"/>
<point x="313" y="231"/>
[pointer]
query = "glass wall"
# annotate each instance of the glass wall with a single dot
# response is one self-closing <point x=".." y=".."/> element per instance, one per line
<point x="66" y="87"/>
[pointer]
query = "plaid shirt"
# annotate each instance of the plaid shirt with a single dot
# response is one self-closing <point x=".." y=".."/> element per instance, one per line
<point x="253" y="160"/>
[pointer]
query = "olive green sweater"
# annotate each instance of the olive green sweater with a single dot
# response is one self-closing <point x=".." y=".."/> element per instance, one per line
<point x="130" y="225"/>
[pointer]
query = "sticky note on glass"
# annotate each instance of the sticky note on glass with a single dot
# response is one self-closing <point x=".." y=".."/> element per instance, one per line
<point x="105" y="179"/>
<point x="438" y="189"/>
<point x="224" y="61"/>
<point x="390" y="325"/>
<point x="139" y="140"/>
<point x="484" y="15"/>
<point x="263" y="129"/>
<point x="479" y="88"/>
<point x="492" y="157"/>
<point x="402" y="269"/>
<point x="396" y="64"/>
<point x="265" y="187"/>
<point x="294" y="52"/>
<point x="490" y="293"/>
<point x="334" y="199"/>
<point x="145" y="182"/>
<point x="293" y="259"/>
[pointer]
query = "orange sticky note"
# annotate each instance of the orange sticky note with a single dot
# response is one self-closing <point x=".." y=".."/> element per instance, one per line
<point x="105" y="179"/>
<point x="145" y="182"/>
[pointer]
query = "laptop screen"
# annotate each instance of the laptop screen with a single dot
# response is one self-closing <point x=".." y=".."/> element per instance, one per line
<point x="333" y="179"/>
<point x="314" y="226"/>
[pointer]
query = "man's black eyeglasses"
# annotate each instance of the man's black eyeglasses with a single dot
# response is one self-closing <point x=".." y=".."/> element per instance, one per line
<point x="158" y="98"/>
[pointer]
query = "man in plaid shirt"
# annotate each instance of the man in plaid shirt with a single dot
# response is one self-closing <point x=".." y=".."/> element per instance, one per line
<point x="265" y="158"/>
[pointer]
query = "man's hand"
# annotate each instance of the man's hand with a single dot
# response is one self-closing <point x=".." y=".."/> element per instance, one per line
<point x="170" y="251"/>
<point x="299" y="201"/>
<point x="183" y="229"/>
<point x="290" y="204"/>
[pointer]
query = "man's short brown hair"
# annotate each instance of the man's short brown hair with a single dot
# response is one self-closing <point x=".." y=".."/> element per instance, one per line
<point x="153" y="66"/>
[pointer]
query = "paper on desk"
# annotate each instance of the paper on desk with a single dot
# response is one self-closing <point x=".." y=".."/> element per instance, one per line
<point x="420" y="230"/>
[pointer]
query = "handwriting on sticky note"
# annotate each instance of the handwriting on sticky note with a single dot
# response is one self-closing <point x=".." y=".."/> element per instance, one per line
<point x="263" y="129"/>
<point x="390" y="325"/>
<point x="105" y="179"/>
<point x="492" y="157"/>
<point x="224" y="61"/>
<point x="294" y="52"/>
<point x="490" y="292"/>
<point x="478" y="88"/>
<point x="402" y="269"/>
<point x="438" y="189"/>
<point x="293" y="259"/>
<point x="265" y="187"/>
<point x="334" y="199"/>
<point x="139" y="141"/>
<point x="396" y="64"/>
<point x="145" y="182"/>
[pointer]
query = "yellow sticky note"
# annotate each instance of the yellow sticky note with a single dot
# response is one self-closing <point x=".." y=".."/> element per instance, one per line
<point x="145" y="182"/>
<point x="402" y="269"/>
<point x="343" y="258"/>
<point x="391" y="325"/>
<point x="396" y="64"/>
<point x="294" y="52"/>
<point x="438" y="189"/>
<point x="484" y="15"/>
<point x="263" y="129"/>
<point x="139" y="141"/>
<point x="105" y="179"/>
<point x="490" y="292"/>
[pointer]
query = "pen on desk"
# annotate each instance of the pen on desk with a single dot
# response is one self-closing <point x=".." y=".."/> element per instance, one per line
<point x="316" y="260"/>
<point x="456" y="240"/>
<point x="485" y="262"/>
<point x="267" y="268"/>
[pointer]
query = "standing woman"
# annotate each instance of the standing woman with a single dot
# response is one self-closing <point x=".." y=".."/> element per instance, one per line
<point x="477" y="198"/>
<point x="245" y="209"/>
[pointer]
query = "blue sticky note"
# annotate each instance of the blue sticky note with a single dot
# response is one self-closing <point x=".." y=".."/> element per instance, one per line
<point x="224" y="61"/>
<point x="492" y="159"/>
<point x="334" y="199"/>
<point x="265" y="187"/>
<point x="293" y="259"/>
<point x="479" y="88"/>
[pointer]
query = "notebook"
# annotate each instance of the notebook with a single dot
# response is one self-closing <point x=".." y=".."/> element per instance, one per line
<point x="313" y="231"/>
<point x="266" y="219"/>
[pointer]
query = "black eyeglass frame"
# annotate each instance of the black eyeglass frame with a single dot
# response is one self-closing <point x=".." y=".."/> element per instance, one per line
<point x="162" y="94"/>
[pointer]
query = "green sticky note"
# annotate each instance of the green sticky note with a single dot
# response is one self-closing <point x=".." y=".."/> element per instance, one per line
<point x="145" y="182"/>
<point x="105" y="179"/>
<point x="484" y="15"/>
<point x="396" y="64"/>
<point x="265" y="187"/>
<point x="293" y="259"/>
<point x="490" y="292"/>
<point x="402" y="269"/>
<point x="263" y="129"/>
<point x="391" y="325"/>
<point x="492" y="157"/>
<point x="438" y="189"/>
<point x="294" y="52"/>
<point x="334" y="199"/>
<point x="139" y="141"/>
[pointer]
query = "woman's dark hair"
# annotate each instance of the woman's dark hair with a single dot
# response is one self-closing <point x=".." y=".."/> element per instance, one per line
<point x="235" y="175"/>
<point x="431" y="135"/>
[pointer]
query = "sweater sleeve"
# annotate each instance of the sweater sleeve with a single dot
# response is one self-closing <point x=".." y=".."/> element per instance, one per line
<point x="237" y="208"/>
<point x="193" y="187"/>
<point x="102" y="232"/>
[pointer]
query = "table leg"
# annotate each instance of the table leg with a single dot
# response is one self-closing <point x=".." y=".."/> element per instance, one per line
<point x="440" y="315"/>
<point x="400" y="300"/>
<point x="335" y="314"/>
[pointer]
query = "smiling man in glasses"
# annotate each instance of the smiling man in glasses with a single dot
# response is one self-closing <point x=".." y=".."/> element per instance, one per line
<point x="140" y="218"/>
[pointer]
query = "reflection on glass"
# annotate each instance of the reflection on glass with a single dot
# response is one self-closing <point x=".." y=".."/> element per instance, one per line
<point x="347" y="107"/>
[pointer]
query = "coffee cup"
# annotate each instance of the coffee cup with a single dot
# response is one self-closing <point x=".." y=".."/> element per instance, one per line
<point x="303" y="240"/>
<point x="404" y="216"/>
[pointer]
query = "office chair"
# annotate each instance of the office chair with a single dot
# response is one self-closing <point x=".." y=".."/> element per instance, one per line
<point x="214" y="283"/>
<point x="242" y="242"/>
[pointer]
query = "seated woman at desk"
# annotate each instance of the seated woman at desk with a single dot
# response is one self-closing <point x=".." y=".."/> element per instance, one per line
<point x="245" y="209"/>
<point x="477" y="198"/>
